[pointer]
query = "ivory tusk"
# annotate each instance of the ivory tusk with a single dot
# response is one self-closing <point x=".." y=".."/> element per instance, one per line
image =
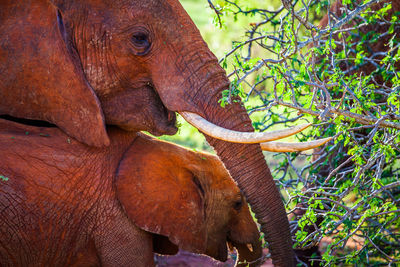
<point x="250" y="247"/>
<point x="293" y="147"/>
<point x="238" y="137"/>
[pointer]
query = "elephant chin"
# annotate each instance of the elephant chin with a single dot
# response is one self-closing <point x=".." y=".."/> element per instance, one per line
<point x="162" y="245"/>
<point x="161" y="125"/>
<point x="219" y="252"/>
<point x="166" y="126"/>
<point x="250" y="254"/>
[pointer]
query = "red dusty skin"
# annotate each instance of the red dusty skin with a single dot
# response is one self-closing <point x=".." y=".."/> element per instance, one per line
<point x="38" y="81"/>
<point x="249" y="248"/>
<point x="67" y="204"/>
<point x="81" y="64"/>
<point x="247" y="167"/>
<point x="245" y="163"/>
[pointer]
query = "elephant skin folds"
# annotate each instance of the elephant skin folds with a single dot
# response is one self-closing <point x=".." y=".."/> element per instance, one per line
<point x="83" y="65"/>
<point x="67" y="204"/>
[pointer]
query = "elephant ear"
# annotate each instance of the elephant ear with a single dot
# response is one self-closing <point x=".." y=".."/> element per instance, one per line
<point x="70" y="102"/>
<point x="160" y="196"/>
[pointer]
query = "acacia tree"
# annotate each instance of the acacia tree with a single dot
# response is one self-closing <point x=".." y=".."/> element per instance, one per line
<point x="336" y="65"/>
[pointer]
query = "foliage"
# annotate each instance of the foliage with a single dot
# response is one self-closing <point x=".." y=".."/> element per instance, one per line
<point x="188" y="136"/>
<point x="345" y="78"/>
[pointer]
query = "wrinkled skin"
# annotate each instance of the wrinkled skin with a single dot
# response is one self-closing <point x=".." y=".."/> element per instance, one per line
<point x="67" y="204"/>
<point x="82" y="64"/>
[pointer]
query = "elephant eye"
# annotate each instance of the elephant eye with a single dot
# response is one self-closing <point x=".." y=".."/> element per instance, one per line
<point x="141" y="43"/>
<point x="238" y="205"/>
<point x="140" y="39"/>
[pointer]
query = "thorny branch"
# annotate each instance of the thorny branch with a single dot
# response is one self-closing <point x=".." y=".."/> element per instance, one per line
<point x="217" y="12"/>
<point x="349" y="116"/>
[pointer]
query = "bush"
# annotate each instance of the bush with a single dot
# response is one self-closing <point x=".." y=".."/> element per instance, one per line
<point x="343" y="76"/>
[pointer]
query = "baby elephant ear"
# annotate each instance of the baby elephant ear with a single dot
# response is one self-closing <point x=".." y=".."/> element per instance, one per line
<point x="160" y="196"/>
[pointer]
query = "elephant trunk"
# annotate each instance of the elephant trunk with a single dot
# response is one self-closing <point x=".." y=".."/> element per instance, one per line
<point x="248" y="168"/>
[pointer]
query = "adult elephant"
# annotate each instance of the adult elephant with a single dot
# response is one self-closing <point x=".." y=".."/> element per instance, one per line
<point x="84" y="64"/>
<point x="67" y="204"/>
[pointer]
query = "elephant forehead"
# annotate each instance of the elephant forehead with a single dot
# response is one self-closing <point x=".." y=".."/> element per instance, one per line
<point x="166" y="16"/>
<point x="161" y="7"/>
<point x="158" y="159"/>
<point x="205" y="164"/>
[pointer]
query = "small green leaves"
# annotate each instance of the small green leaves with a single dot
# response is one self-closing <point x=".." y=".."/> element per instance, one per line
<point x="344" y="78"/>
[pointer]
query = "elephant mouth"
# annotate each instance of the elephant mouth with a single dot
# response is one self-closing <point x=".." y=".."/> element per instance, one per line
<point x="148" y="114"/>
<point x="250" y="252"/>
<point x="165" y="124"/>
<point x="164" y="120"/>
<point x="30" y="122"/>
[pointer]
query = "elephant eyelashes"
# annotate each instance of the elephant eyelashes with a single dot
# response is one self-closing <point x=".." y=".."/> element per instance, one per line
<point x="141" y="43"/>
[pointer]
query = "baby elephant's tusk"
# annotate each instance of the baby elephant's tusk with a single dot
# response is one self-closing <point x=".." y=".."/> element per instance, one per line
<point x="250" y="247"/>
<point x="293" y="147"/>
<point x="235" y="136"/>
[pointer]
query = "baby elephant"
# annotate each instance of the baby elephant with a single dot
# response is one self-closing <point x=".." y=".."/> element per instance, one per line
<point x="63" y="203"/>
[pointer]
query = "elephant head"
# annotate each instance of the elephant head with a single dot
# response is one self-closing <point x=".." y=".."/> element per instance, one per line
<point x="188" y="197"/>
<point x="82" y="64"/>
